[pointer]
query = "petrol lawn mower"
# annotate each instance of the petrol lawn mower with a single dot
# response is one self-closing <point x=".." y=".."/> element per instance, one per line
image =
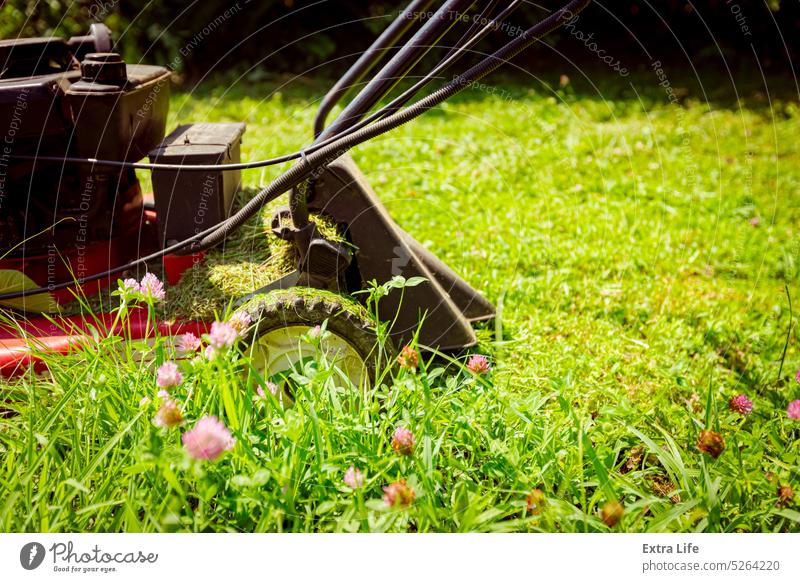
<point x="78" y="120"/>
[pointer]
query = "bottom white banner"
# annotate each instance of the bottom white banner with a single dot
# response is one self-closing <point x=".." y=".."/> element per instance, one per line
<point x="401" y="557"/>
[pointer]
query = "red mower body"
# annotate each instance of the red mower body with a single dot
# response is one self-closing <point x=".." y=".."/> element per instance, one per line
<point x="21" y="349"/>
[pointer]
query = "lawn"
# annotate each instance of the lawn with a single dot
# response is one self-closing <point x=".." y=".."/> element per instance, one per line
<point x="642" y="256"/>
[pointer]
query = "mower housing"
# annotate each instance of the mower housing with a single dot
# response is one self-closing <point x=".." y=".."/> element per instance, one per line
<point x="98" y="108"/>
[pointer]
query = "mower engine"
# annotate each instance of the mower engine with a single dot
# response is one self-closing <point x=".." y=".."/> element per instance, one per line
<point x="74" y="98"/>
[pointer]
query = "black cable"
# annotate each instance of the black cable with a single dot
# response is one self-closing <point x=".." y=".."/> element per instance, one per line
<point x="113" y="271"/>
<point x="327" y="153"/>
<point x="167" y="167"/>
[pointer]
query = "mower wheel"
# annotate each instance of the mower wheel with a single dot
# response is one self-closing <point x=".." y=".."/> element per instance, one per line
<point x="281" y="336"/>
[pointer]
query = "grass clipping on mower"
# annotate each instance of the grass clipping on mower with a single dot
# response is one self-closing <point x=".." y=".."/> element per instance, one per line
<point x="251" y="258"/>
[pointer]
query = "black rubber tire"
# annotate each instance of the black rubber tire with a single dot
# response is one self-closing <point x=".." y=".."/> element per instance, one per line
<point x="284" y="308"/>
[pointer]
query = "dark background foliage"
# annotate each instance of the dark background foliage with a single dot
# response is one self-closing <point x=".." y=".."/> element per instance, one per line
<point x="266" y="36"/>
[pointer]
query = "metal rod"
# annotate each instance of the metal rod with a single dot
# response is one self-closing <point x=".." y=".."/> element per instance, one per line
<point x="456" y="54"/>
<point x="474" y="26"/>
<point x="297" y="197"/>
<point x="402" y="62"/>
<point x="369" y="59"/>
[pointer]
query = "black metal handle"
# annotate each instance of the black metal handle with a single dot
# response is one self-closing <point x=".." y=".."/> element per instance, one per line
<point x="399" y="65"/>
<point x="369" y="59"/>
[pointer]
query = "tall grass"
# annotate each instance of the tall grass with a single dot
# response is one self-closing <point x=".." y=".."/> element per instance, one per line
<point x="80" y="452"/>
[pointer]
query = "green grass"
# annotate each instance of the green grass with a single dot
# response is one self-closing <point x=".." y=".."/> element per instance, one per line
<point x="639" y="254"/>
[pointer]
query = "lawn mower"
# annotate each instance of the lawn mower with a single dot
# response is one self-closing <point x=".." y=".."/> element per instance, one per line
<point x="77" y="121"/>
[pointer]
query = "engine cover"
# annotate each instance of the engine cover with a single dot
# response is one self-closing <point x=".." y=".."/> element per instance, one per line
<point x="56" y="99"/>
